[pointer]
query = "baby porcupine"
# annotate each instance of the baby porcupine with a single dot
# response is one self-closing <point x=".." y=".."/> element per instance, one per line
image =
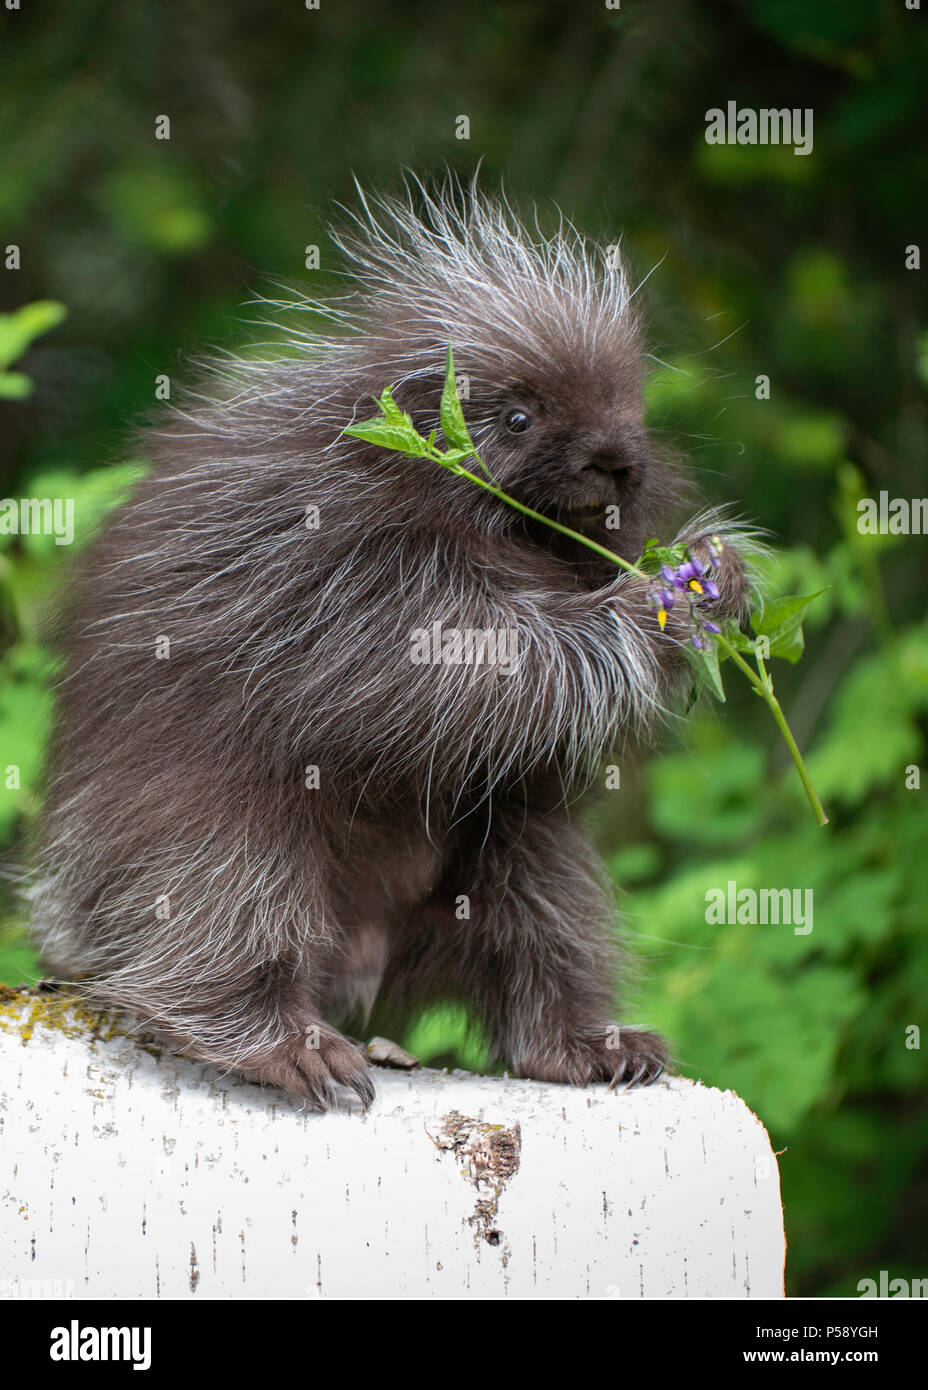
<point x="191" y="871"/>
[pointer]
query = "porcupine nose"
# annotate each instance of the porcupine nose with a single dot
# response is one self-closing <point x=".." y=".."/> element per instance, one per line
<point x="609" y="460"/>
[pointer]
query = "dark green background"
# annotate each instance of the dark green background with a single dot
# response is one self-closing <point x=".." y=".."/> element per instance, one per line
<point x="769" y="263"/>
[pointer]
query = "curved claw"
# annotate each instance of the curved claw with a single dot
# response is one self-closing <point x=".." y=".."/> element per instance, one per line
<point x="362" y="1084"/>
<point x="641" y="1065"/>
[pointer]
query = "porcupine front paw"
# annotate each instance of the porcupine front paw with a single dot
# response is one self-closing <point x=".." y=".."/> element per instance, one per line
<point x="626" y="1056"/>
<point x="629" y="1057"/>
<point x="312" y="1064"/>
<point x="722" y="565"/>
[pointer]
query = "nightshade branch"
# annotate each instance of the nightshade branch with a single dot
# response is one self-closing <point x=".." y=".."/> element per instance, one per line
<point x="673" y="574"/>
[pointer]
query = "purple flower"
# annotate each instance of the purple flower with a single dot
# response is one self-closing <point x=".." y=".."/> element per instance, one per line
<point x="715" y="548"/>
<point x="663" y="600"/>
<point x="688" y="578"/>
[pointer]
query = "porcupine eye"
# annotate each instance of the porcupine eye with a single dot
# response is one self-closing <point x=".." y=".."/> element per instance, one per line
<point x="517" y="421"/>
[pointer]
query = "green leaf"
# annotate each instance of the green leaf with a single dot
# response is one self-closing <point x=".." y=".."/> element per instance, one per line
<point x="19" y="329"/>
<point x="405" y="439"/>
<point x="452" y="457"/>
<point x="705" y="663"/>
<point x="769" y="620"/>
<point x="790" y="646"/>
<point x="93" y="494"/>
<point x="741" y="641"/>
<point x="781" y="622"/>
<point x="391" y="410"/>
<point x="873" y="730"/>
<point x="392" y="429"/>
<point x="655" y="554"/>
<point x="14" y="386"/>
<point x="452" y="417"/>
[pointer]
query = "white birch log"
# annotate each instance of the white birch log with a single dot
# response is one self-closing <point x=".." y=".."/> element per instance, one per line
<point x="128" y="1173"/>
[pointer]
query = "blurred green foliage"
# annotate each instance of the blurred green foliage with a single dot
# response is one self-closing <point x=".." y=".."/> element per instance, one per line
<point x="770" y="264"/>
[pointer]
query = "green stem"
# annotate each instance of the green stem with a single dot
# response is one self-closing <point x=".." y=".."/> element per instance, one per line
<point x="762" y="683"/>
<point x="765" y="692"/>
<point x="539" y="516"/>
